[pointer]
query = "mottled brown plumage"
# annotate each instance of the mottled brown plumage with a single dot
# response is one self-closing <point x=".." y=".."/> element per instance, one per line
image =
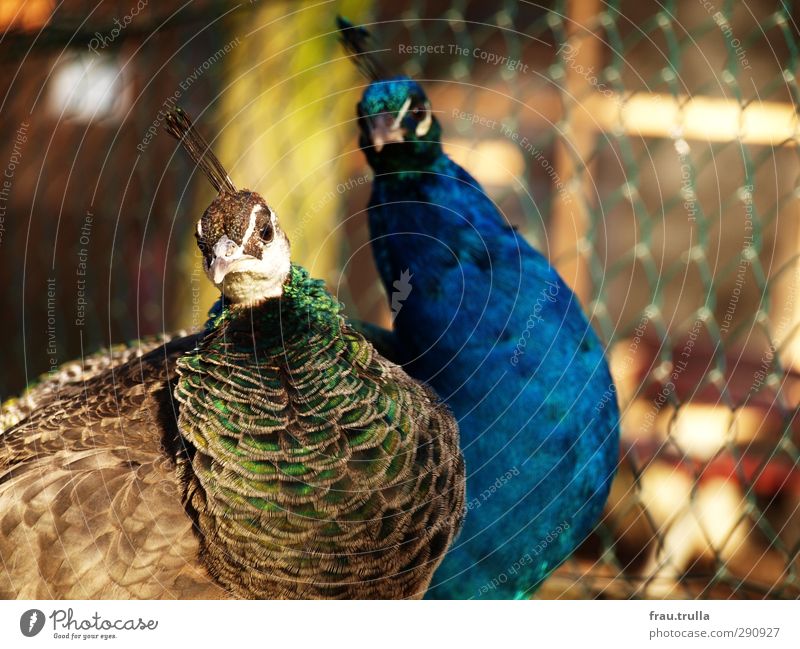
<point x="49" y="386"/>
<point x="90" y="504"/>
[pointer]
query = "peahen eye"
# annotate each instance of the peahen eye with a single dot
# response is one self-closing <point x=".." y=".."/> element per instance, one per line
<point x="267" y="232"/>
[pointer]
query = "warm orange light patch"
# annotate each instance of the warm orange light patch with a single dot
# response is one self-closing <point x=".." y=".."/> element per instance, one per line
<point x="25" y="14"/>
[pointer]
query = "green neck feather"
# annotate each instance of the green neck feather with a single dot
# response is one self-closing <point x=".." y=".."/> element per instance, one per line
<point x="305" y="302"/>
<point x="312" y="460"/>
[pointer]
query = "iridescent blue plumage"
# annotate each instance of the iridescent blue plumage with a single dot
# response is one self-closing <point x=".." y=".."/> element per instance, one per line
<point x="502" y="339"/>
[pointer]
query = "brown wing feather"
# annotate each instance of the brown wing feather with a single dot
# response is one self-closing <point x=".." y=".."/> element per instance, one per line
<point x="69" y="377"/>
<point x="89" y="503"/>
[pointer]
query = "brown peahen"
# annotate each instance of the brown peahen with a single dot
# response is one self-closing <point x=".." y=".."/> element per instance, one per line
<point x="275" y="455"/>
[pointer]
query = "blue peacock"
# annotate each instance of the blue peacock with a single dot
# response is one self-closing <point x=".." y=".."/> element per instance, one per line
<point x="494" y="329"/>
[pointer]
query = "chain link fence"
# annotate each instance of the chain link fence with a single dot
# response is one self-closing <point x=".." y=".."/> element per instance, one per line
<point x="650" y="149"/>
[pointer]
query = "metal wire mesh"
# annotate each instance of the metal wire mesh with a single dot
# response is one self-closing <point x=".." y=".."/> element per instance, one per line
<point x="90" y="242"/>
<point x="649" y="149"/>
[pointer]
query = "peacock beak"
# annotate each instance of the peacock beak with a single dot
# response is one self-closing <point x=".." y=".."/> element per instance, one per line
<point x="383" y="129"/>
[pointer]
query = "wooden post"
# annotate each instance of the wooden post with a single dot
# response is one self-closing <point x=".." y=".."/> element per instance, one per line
<point x="570" y="218"/>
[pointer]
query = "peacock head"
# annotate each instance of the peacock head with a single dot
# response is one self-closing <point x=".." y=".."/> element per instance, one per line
<point x="398" y="130"/>
<point x="245" y="252"/>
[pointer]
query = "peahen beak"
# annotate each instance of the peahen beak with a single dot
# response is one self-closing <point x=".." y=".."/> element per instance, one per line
<point x="226" y="253"/>
<point x="219" y="268"/>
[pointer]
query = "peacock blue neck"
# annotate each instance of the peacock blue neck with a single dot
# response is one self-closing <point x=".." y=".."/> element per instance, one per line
<point x="406" y="159"/>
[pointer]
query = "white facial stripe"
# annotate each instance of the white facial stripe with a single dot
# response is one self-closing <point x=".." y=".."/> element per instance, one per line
<point x="425" y="125"/>
<point x="252" y="225"/>
<point x="403" y="110"/>
<point x="200" y="228"/>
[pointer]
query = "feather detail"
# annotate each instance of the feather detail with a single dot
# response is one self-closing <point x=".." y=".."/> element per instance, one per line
<point x="342" y="478"/>
<point x="356" y="42"/>
<point x="179" y="126"/>
<point x="90" y="503"/>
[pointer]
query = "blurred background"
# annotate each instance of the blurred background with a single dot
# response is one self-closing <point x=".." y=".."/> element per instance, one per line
<point x="650" y="149"/>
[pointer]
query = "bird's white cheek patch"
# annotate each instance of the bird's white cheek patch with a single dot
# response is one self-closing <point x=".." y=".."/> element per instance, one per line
<point x="248" y="287"/>
<point x="425" y="125"/>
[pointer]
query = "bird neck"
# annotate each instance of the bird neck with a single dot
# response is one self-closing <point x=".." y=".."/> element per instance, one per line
<point x="407" y="159"/>
<point x="305" y="303"/>
<point x="244" y="392"/>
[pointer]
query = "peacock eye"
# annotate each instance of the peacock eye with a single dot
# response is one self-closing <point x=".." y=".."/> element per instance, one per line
<point x="417" y="111"/>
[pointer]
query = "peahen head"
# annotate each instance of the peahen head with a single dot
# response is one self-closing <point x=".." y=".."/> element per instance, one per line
<point x="245" y="252"/>
<point x="398" y="130"/>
